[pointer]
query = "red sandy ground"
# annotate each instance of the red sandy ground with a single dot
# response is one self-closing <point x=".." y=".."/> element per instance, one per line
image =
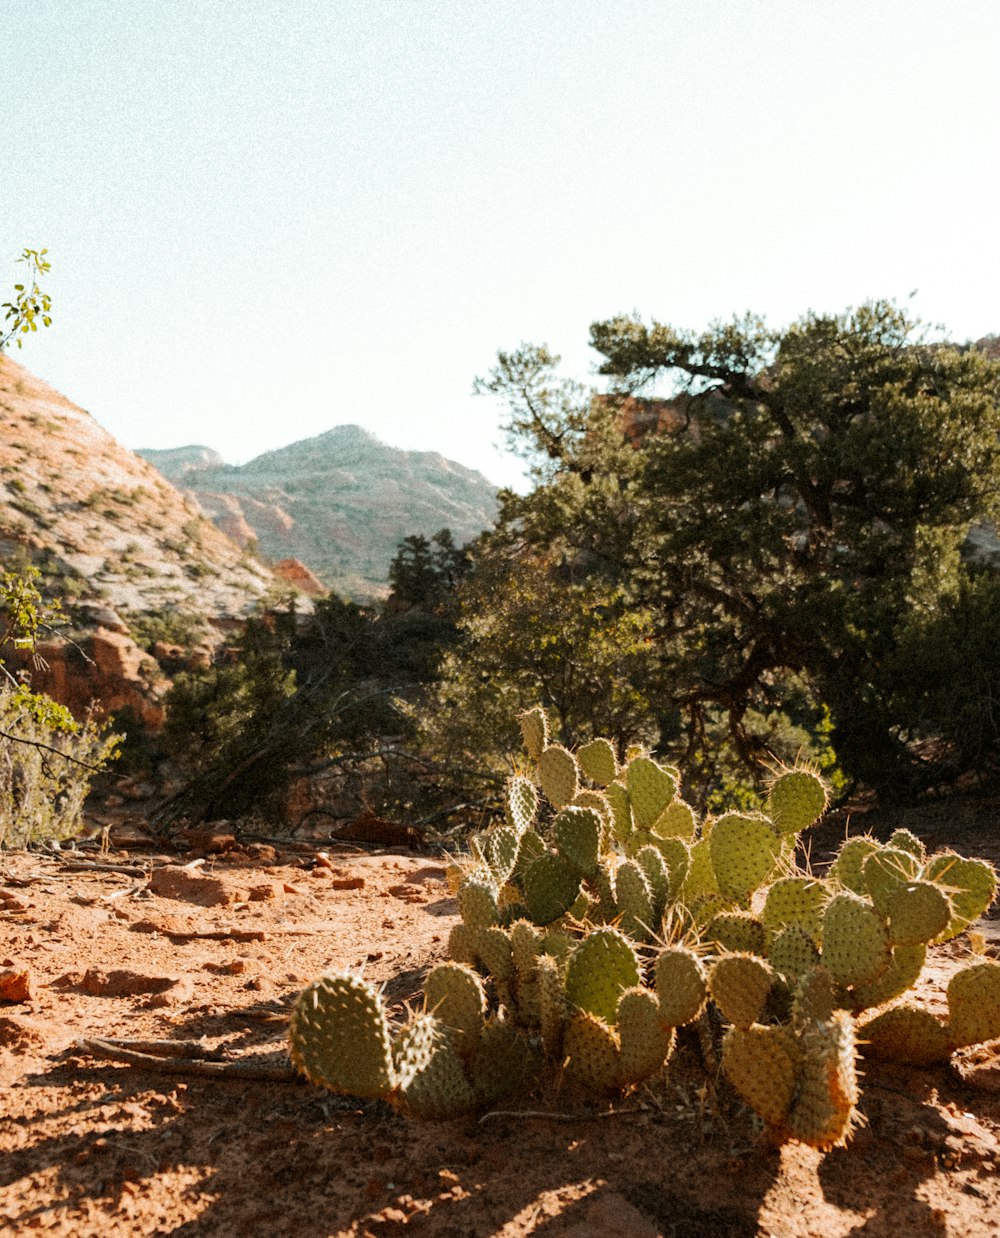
<point x="90" y="1146"/>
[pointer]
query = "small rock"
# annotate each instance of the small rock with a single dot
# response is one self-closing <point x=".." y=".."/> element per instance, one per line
<point x="122" y="983"/>
<point x="15" y="986"/>
<point x="192" y="887"/>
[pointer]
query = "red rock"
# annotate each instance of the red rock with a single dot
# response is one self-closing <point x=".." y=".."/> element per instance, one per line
<point x="15" y="986"/>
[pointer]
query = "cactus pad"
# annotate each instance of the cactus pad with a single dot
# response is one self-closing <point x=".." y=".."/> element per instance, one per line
<point x="534" y="731"/>
<point x="796" y="799"/>
<point x="905" y="1034"/>
<point x="592" y="1053"/>
<point x="680" y="985"/>
<point x="598" y="761"/>
<point x="798" y="901"/>
<point x="824" y="1114"/>
<point x="551" y="888"/>
<point x="974" y="1004"/>
<point x="602" y="966"/>
<point x="339" y="1037"/>
<point x="855" y="948"/>
<point x="737" y="931"/>
<point x="522" y="803"/>
<point x="744" y="852"/>
<point x="970" y="884"/>
<point x="477" y="903"/>
<point x="760" y="1063"/>
<point x="454" y="995"/>
<point x="676" y="821"/>
<point x="846" y="868"/>
<point x="433" y="1083"/>
<point x="918" y="912"/>
<point x="793" y="952"/>
<point x="739" y="985"/>
<point x="558" y="775"/>
<point x="635" y="902"/>
<point x="576" y="833"/>
<point x="645" y="1039"/>
<point x="650" y="790"/>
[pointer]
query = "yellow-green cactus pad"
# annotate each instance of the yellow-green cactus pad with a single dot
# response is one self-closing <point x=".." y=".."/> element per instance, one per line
<point x="970" y="884"/>
<point x="635" y="902"/>
<point x="551" y="887"/>
<point x="534" y="731"/>
<point x="339" y="1037"/>
<point x="621" y="808"/>
<point x="454" y="994"/>
<point x="700" y="876"/>
<point x="499" y="848"/>
<point x="655" y="870"/>
<point x="677" y="854"/>
<point x="736" y="931"/>
<point x="576" y="833"/>
<point x="814" y="997"/>
<point x="600" y="969"/>
<point x="681" y="987"/>
<point x="918" y="912"/>
<point x="793" y="952"/>
<point x="974" y="1004"/>
<point x="558" y="775"/>
<point x="650" y="790"/>
<point x="884" y="871"/>
<point x="824" y="1111"/>
<point x="846" y="868"/>
<point x="493" y="950"/>
<point x="906" y="840"/>
<point x="676" y="821"/>
<point x="796" y="799"/>
<point x="462" y="945"/>
<point x="902" y="973"/>
<point x="506" y="1063"/>
<point x="521" y="803"/>
<point x="552" y="1009"/>
<point x="433" y="1083"/>
<point x="798" y="901"/>
<point x="761" y="1064"/>
<point x="592" y="1053"/>
<point x="744" y="850"/>
<point x="739" y="985"/>
<point x="646" y="1040"/>
<point x="598" y="761"/>
<point x="529" y="848"/>
<point x="905" y="1034"/>
<point x="477" y="903"/>
<point x="855" y="946"/>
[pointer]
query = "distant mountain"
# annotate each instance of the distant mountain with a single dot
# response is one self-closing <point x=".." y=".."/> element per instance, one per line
<point x="340" y="502"/>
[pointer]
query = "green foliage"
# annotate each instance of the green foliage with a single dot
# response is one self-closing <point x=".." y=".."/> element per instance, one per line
<point x="785" y="526"/>
<point x="30" y="305"/>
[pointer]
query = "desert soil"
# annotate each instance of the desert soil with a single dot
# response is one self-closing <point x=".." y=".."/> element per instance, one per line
<point x="211" y="950"/>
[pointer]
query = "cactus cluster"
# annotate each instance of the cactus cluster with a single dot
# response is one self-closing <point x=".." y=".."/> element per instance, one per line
<point x="600" y="915"/>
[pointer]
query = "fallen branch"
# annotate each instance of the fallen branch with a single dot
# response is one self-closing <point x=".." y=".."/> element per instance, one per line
<point x="203" y="1065"/>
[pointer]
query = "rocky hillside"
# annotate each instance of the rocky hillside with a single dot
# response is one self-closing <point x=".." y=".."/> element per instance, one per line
<point x="340" y="502"/>
<point x="125" y="551"/>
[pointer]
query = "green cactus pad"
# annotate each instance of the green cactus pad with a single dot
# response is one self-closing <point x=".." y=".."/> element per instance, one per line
<point x="339" y="1037"/>
<point x="902" y="973"/>
<point x="796" y="799"/>
<point x="677" y="854"/>
<point x="736" y="931"/>
<point x="534" y="731"/>
<point x="552" y="1009"/>
<point x="506" y="1063"/>
<point x="681" y="987"/>
<point x="529" y="848"/>
<point x="655" y="870"/>
<point x="601" y="967"/>
<point x="744" y="852"/>
<point x="793" y="952"/>
<point x="635" y="902"/>
<point x="592" y="1053"/>
<point x="576" y="833"/>
<point x="621" y="809"/>
<point x="676" y="821"/>
<point x="739" y="985"/>
<point x="855" y="947"/>
<point x="700" y="876"/>
<point x="760" y="1063"/>
<point x="884" y="871"/>
<point x="798" y="901"/>
<point x="600" y="803"/>
<point x="974" y="1004"/>
<point x="525" y="947"/>
<point x="500" y="848"/>
<point x="824" y="1112"/>
<point x="551" y="888"/>
<point x="918" y="912"/>
<point x="970" y="884"/>
<point x="598" y="761"/>
<point x="906" y="1035"/>
<point x="814" y="998"/>
<point x="462" y="945"/>
<point x="477" y="903"/>
<point x="454" y="995"/>
<point x="846" y="868"/>
<point x="433" y="1084"/>
<point x="522" y="803"/>
<point x="558" y="775"/>
<point x="646" y="1040"/>
<point x="494" y="953"/>
<point x="906" y="840"/>
<point x="650" y="790"/>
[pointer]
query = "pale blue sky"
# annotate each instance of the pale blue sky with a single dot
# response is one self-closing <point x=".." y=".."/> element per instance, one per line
<point x="269" y="217"/>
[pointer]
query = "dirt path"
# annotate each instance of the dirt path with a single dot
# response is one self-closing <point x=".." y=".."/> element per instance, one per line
<point x="89" y="1146"/>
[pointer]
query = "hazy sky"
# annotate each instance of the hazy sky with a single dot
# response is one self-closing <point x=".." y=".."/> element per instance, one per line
<point x="269" y="217"/>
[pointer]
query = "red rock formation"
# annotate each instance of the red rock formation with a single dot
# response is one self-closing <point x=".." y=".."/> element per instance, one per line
<point x="296" y="573"/>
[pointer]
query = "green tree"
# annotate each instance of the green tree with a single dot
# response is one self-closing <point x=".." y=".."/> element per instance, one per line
<point x="806" y="496"/>
<point x="31" y="305"/>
